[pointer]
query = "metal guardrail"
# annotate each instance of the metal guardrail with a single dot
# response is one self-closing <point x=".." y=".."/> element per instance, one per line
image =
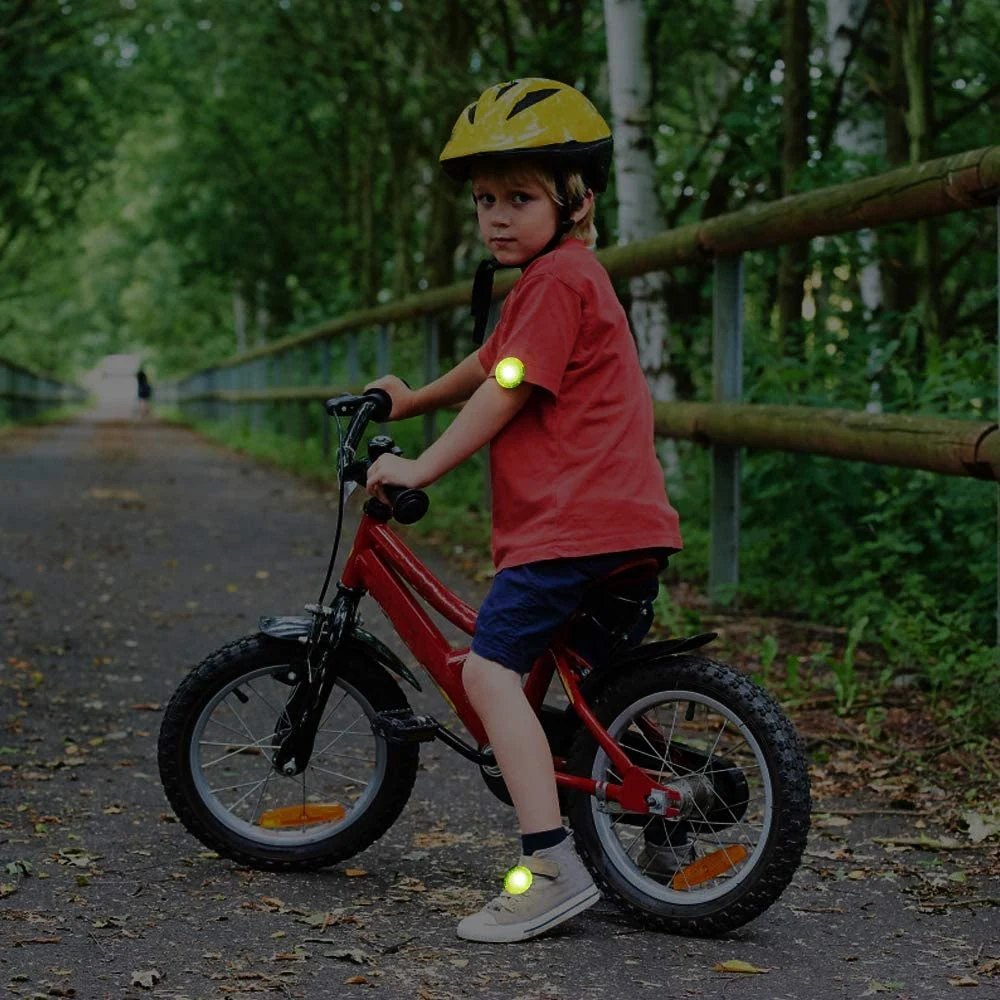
<point x="25" y="393"/>
<point x="961" y="182"/>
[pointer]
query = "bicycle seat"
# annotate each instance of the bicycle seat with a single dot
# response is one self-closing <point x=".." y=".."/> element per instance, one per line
<point x="616" y="610"/>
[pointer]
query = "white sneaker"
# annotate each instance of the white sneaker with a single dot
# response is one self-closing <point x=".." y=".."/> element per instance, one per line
<point x="561" y="887"/>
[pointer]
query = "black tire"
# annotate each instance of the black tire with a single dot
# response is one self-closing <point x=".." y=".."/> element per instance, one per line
<point x="262" y="671"/>
<point x="757" y="762"/>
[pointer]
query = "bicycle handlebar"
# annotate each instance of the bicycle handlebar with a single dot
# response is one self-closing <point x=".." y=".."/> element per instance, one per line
<point x="408" y="505"/>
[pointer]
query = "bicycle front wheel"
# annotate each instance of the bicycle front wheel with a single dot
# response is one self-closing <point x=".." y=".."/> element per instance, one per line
<point x="218" y="739"/>
<point x="703" y="727"/>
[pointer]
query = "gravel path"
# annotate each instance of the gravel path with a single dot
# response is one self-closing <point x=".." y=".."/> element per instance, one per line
<point x="128" y="551"/>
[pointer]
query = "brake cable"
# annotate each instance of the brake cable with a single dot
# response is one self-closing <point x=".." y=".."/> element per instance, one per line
<point x="340" y="511"/>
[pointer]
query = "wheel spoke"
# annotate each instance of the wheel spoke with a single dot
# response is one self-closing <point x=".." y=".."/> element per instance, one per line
<point x="240" y="751"/>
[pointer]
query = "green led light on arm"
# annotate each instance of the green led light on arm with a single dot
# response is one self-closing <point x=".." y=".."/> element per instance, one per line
<point x="517" y="880"/>
<point x="510" y="373"/>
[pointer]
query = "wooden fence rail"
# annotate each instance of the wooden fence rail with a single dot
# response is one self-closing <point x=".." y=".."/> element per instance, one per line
<point x="26" y="393"/>
<point x="961" y="182"/>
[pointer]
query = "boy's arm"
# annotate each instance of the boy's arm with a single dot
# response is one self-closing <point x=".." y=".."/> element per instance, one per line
<point x="453" y="387"/>
<point x="480" y="420"/>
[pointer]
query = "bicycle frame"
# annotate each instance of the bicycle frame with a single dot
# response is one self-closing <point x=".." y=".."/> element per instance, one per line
<point x="381" y="564"/>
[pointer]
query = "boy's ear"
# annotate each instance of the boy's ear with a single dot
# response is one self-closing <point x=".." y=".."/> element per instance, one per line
<point x="584" y="206"/>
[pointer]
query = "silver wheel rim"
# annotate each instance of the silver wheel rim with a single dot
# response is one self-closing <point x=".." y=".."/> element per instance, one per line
<point x="231" y="748"/>
<point x="623" y="843"/>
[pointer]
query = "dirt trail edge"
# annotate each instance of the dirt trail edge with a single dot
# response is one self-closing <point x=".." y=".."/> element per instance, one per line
<point x="129" y="551"/>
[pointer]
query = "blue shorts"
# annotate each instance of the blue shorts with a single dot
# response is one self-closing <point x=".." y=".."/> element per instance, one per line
<point x="528" y="603"/>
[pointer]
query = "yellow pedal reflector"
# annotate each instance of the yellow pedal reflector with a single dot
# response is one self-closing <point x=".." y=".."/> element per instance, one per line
<point x="709" y="867"/>
<point x="301" y="815"/>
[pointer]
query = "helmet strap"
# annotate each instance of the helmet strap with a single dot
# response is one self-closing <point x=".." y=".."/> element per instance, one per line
<point x="482" y="297"/>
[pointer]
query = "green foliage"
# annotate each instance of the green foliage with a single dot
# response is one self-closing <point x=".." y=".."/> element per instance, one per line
<point x="168" y="163"/>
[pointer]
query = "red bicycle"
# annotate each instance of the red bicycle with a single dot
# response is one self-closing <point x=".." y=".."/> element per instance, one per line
<point x="295" y="747"/>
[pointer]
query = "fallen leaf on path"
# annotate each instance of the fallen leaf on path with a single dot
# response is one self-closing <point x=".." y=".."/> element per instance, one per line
<point x="981" y="827"/>
<point x="77" y="857"/>
<point x="834" y="821"/>
<point x="877" y="987"/>
<point x="963" y="981"/>
<point x="147" y="979"/>
<point x="355" y="872"/>
<point x="737" y="965"/>
<point x="355" y="981"/>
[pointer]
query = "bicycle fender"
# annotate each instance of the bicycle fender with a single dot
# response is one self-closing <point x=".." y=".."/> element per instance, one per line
<point x="597" y="677"/>
<point x="383" y="655"/>
<point x="666" y="647"/>
<point x="296" y="628"/>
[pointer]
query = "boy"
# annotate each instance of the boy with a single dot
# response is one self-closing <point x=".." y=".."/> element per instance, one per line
<point x="577" y="488"/>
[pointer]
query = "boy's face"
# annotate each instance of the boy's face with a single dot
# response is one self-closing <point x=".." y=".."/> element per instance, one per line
<point x="516" y="216"/>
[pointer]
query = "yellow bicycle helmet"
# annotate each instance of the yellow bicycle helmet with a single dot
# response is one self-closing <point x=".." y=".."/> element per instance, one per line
<point x="537" y="118"/>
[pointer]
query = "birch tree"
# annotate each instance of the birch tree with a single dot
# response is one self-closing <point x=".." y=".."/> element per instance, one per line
<point x="639" y="214"/>
<point x="858" y="136"/>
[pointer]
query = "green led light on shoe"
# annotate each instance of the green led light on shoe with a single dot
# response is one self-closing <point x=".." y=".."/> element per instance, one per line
<point x="517" y="880"/>
<point x="510" y="373"/>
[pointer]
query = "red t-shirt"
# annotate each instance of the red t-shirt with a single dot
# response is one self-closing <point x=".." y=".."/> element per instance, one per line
<point x="575" y="472"/>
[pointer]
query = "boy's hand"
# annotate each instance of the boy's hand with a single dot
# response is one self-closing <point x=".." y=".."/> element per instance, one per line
<point x="395" y="471"/>
<point x="400" y="393"/>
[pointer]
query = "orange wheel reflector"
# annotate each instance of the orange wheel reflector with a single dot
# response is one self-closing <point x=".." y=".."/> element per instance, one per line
<point x="708" y="867"/>
<point x="300" y="815"/>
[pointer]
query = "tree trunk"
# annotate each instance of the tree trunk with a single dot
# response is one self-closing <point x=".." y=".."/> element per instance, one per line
<point x="895" y="264"/>
<point x="916" y="41"/>
<point x="794" y="259"/>
<point x="639" y="214"/>
<point x="859" y="138"/>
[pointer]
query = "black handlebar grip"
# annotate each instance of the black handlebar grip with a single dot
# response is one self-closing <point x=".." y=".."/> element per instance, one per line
<point x="383" y="404"/>
<point x="408" y="505"/>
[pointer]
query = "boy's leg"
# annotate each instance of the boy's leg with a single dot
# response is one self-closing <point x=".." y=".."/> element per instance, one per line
<point x="519" y="743"/>
<point x="560" y="885"/>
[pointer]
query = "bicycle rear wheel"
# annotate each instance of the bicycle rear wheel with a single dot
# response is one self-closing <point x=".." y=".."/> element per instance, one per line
<point x="218" y="738"/>
<point x="700" y="725"/>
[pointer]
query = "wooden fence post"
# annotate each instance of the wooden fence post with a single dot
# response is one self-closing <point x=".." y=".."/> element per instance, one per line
<point x="727" y="387"/>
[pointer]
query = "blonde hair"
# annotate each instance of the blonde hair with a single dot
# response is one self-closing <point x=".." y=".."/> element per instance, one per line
<point x="531" y="171"/>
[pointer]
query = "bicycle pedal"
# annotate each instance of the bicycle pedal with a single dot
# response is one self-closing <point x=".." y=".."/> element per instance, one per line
<point x="402" y="726"/>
